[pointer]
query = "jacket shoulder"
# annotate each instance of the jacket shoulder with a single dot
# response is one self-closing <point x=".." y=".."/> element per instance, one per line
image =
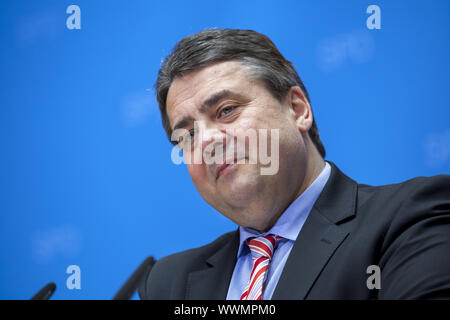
<point x="442" y="180"/>
<point x="414" y="220"/>
<point x="192" y="256"/>
<point x="168" y="276"/>
<point x="416" y="189"/>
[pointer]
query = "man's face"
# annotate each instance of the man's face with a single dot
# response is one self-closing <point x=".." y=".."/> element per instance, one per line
<point x="228" y="102"/>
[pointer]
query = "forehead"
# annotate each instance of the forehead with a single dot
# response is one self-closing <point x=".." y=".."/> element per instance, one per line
<point x="188" y="92"/>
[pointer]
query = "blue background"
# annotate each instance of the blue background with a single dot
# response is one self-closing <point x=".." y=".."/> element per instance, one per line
<point x="85" y="170"/>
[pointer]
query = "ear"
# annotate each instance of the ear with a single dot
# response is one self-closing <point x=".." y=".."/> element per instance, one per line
<point x="300" y="109"/>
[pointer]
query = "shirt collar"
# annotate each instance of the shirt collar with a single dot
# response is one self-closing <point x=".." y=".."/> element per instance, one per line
<point x="291" y="221"/>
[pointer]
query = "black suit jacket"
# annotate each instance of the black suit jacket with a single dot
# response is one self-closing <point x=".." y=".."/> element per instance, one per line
<point x="404" y="229"/>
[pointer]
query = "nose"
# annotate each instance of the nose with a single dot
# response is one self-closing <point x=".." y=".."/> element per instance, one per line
<point x="211" y="138"/>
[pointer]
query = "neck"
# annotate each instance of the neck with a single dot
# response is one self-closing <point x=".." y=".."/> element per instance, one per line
<point x="314" y="166"/>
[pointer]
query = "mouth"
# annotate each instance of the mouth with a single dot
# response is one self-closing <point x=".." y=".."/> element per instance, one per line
<point x="225" y="168"/>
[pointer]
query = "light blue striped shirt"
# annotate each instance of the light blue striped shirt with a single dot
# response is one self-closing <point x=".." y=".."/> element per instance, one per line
<point x="287" y="226"/>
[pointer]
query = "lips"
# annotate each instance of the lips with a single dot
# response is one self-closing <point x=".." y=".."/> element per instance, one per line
<point x="221" y="168"/>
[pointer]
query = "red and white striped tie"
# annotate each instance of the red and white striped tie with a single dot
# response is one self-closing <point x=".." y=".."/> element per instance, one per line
<point x="262" y="249"/>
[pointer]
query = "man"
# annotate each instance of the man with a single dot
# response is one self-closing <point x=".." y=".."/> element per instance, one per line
<point x="306" y="231"/>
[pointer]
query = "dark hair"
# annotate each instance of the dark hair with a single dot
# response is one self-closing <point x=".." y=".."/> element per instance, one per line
<point x="251" y="48"/>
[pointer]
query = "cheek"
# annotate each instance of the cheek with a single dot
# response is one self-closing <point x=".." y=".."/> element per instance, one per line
<point x="198" y="174"/>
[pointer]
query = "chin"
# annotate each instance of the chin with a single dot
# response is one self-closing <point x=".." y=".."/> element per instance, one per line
<point x="241" y="188"/>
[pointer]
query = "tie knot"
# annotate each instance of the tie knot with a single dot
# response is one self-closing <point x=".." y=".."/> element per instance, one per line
<point x="263" y="246"/>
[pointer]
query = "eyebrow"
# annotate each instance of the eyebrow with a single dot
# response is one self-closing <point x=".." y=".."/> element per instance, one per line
<point x="208" y="103"/>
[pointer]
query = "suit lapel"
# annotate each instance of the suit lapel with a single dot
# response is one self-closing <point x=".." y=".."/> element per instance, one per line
<point x="314" y="246"/>
<point x="319" y="237"/>
<point x="211" y="282"/>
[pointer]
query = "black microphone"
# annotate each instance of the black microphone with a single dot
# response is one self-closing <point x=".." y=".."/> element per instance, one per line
<point x="45" y="293"/>
<point x="130" y="286"/>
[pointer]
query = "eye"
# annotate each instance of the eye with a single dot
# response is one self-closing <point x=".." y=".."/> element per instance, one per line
<point x="188" y="137"/>
<point x="226" y="110"/>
